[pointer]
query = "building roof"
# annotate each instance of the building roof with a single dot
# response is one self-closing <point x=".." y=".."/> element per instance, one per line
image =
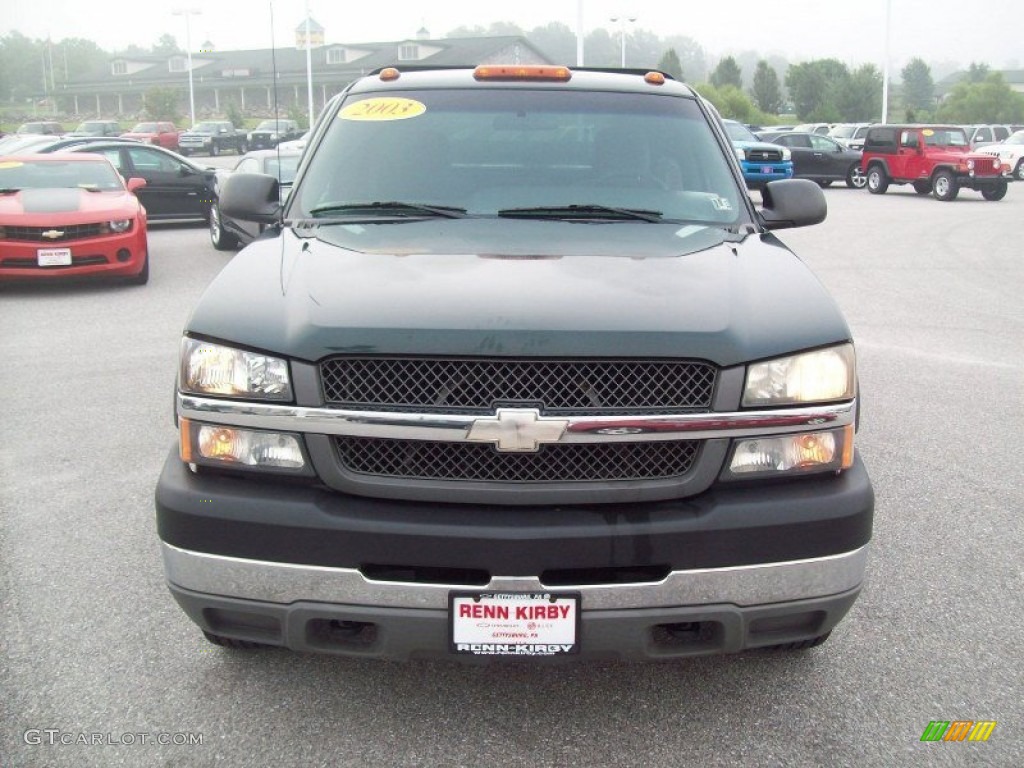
<point x="256" y="67"/>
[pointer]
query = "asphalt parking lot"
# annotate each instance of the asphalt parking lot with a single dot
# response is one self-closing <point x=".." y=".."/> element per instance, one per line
<point x="94" y="650"/>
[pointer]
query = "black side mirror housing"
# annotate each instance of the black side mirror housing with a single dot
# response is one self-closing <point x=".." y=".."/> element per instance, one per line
<point x="789" y="203"/>
<point x="251" y="197"/>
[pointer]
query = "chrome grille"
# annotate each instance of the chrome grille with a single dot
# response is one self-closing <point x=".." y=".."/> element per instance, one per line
<point x="68" y="232"/>
<point x="563" y="387"/>
<point x="593" y="462"/>
<point x="764" y="155"/>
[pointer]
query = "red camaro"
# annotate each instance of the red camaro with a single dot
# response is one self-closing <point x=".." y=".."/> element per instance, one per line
<point x="70" y="214"/>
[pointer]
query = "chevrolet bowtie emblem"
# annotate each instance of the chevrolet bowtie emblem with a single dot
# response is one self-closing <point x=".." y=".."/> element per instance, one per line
<point x="53" y="234"/>
<point x="517" y="429"/>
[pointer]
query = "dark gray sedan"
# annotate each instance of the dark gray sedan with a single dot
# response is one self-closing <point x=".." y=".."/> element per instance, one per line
<point x="820" y="158"/>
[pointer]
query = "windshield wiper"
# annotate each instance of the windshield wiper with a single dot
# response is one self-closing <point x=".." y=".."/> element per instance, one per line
<point x="9" y="190"/>
<point x="391" y="207"/>
<point x="588" y="211"/>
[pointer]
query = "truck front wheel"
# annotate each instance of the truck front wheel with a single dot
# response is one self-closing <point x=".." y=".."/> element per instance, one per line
<point x="945" y="186"/>
<point x="997" y="192"/>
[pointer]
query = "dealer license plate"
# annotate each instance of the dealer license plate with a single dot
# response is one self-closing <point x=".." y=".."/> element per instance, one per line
<point x="767" y="169"/>
<point x="514" y="624"/>
<point x="53" y="257"/>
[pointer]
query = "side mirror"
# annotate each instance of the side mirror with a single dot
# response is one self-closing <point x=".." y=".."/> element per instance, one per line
<point x="135" y="183"/>
<point x="791" y="203"/>
<point x="251" y="197"/>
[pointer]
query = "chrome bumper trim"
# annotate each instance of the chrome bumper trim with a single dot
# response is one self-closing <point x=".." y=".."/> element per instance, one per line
<point x="286" y="583"/>
<point x="456" y="427"/>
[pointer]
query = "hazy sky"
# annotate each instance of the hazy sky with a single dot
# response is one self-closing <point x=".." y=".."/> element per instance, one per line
<point x="854" y="32"/>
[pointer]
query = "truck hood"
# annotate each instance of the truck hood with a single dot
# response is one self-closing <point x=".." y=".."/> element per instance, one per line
<point x="490" y="287"/>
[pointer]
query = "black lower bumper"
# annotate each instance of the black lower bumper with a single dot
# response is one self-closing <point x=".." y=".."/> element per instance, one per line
<point x="729" y="525"/>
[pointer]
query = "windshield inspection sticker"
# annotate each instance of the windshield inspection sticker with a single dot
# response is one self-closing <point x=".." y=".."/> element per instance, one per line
<point x="10" y="164"/>
<point x="384" y="108"/>
<point x="927" y="132"/>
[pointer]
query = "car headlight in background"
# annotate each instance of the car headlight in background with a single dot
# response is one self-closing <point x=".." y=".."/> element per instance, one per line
<point x="120" y="225"/>
<point x="216" y="369"/>
<point x="742" y="155"/>
<point x="786" y="154"/>
<point x="824" y="375"/>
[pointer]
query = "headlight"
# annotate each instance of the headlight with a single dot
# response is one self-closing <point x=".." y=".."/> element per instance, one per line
<point x="216" y="445"/>
<point x="120" y="225"/>
<point x="214" y="369"/>
<point x="786" y="154"/>
<point x="741" y="154"/>
<point x="970" y="165"/>
<point x="802" y="453"/>
<point x="812" y="377"/>
<point x="248" y="137"/>
<point x="273" y="135"/>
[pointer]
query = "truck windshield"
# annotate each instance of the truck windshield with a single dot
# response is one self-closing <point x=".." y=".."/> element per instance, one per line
<point x="739" y="132"/>
<point x="491" y="151"/>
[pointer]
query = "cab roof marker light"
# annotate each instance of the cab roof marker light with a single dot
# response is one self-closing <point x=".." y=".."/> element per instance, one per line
<point x="654" y="78"/>
<point x="522" y="72"/>
<point x="389" y="73"/>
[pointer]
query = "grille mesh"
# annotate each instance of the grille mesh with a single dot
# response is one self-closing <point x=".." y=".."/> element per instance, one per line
<point x="428" y="460"/>
<point x="69" y="232"/>
<point x="479" y="385"/>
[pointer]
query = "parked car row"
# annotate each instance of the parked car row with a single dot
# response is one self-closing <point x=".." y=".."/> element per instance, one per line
<point x="210" y="136"/>
<point x="935" y="159"/>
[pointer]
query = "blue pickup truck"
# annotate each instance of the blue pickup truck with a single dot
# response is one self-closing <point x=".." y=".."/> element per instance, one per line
<point x="760" y="161"/>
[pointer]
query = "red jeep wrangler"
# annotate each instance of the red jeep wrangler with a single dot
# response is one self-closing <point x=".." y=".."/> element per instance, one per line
<point x="934" y="158"/>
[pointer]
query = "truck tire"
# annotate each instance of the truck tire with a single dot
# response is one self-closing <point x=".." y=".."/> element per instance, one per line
<point x="855" y="178"/>
<point x="214" y="148"/>
<point x="222" y="241"/>
<point x="945" y="186"/>
<point x="997" y="192"/>
<point x="878" y="182"/>
<point x="1019" y="170"/>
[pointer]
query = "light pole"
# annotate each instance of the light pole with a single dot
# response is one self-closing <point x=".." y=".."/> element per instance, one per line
<point x="309" y="68"/>
<point x="622" y="33"/>
<point x="885" y="65"/>
<point x="579" y="33"/>
<point x="187" y="12"/>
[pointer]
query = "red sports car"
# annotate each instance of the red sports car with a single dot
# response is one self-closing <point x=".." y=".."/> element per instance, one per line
<point x="70" y="214"/>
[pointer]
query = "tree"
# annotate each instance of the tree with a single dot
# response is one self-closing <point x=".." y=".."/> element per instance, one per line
<point x="918" y="86"/>
<point x="600" y="50"/>
<point x="991" y="101"/>
<point x="858" y="98"/>
<point x="976" y="73"/>
<point x="669" y="64"/>
<point x="556" y="41"/>
<point x="727" y="73"/>
<point x="766" y="92"/>
<point x="166" y="45"/>
<point x="807" y="88"/>
<point x="731" y="103"/>
<point x="162" y="104"/>
<point x="691" y="55"/>
<point x="21" y="67"/>
<point x="234" y="114"/>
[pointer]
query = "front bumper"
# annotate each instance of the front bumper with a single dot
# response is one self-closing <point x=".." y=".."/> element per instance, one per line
<point x="739" y="566"/>
<point x="115" y="255"/>
<point x="762" y="173"/>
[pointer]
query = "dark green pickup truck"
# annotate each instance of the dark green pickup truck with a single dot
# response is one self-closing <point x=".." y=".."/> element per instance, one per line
<point x="517" y="369"/>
